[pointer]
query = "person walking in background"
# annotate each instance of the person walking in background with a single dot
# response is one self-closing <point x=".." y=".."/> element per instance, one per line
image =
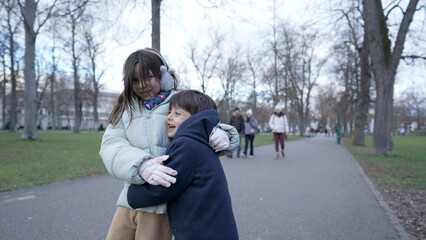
<point x="279" y="125"/>
<point x="238" y="122"/>
<point x="327" y="130"/>
<point x="250" y="127"/>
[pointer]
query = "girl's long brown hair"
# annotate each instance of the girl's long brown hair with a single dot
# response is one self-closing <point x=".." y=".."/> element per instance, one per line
<point x="148" y="63"/>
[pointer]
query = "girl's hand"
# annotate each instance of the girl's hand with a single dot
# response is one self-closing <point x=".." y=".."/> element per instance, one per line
<point x="155" y="173"/>
<point x="219" y="140"/>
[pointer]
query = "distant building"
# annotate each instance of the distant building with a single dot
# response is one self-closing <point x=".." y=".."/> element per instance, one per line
<point x="64" y="110"/>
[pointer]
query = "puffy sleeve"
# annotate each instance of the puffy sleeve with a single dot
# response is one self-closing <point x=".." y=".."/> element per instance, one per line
<point x="121" y="159"/>
<point x="286" y="128"/>
<point x="255" y="124"/>
<point x="271" y="122"/>
<point x="139" y="196"/>
<point x="234" y="139"/>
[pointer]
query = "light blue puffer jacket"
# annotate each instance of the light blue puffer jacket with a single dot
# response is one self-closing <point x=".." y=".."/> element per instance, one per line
<point x="125" y="146"/>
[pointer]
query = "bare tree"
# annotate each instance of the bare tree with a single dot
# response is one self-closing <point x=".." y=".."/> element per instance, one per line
<point x="74" y="12"/>
<point x="415" y="100"/>
<point x="402" y="115"/>
<point x="230" y="72"/>
<point x="255" y="66"/>
<point x="52" y="78"/>
<point x="326" y="105"/>
<point x="156" y="19"/>
<point x="3" y="85"/>
<point x="53" y="71"/>
<point x="286" y="50"/>
<point x="64" y="99"/>
<point x="40" y="86"/>
<point x="304" y="67"/>
<point x="205" y="62"/>
<point x="363" y="99"/>
<point x="363" y="79"/>
<point x="12" y="23"/>
<point x="274" y="46"/>
<point x="346" y="69"/>
<point x="30" y="13"/>
<point x="93" y="51"/>
<point x="385" y="63"/>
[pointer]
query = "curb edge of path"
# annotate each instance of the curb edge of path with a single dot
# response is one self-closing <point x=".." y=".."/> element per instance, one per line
<point x="382" y="203"/>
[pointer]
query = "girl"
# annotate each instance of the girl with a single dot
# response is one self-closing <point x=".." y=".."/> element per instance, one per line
<point x="136" y="135"/>
<point x="279" y="125"/>
<point x="250" y="126"/>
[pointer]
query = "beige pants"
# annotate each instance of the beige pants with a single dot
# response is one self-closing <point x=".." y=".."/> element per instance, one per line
<point x="129" y="224"/>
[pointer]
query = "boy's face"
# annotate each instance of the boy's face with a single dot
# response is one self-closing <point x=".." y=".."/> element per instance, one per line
<point x="175" y="118"/>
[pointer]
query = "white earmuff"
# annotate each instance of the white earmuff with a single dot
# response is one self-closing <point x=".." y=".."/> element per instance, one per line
<point x="167" y="82"/>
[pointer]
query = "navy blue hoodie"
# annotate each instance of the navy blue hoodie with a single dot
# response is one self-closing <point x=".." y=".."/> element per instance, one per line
<point x="199" y="204"/>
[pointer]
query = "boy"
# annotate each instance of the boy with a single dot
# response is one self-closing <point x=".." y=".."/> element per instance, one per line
<point x="199" y="204"/>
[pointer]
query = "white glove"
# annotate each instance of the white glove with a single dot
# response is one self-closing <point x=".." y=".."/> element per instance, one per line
<point x="219" y="139"/>
<point x="155" y="173"/>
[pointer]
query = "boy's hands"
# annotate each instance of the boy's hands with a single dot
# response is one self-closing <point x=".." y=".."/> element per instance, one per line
<point x="155" y="173"/>
<point x="219" y="139"/>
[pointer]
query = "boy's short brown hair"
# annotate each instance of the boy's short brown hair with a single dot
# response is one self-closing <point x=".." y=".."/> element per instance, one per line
<point x="192" y="101"/>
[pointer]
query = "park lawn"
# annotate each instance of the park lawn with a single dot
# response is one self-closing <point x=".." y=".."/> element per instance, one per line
<point x="406" y="168"/>
<point x="57" y="156"/>
<point x="52" y="157"/>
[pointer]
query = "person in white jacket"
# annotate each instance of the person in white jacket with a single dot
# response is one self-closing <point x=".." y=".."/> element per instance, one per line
<point x="279" y="125"/>
<point x="136" y="139"/>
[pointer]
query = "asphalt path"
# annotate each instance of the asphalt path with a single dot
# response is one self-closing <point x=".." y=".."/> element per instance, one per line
<point x="316" y="192"/>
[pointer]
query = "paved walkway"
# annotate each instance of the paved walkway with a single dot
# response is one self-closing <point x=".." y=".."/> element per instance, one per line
<point x="315" y="192"/>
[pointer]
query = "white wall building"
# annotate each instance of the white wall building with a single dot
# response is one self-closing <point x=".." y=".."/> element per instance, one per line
<point x="64" y="111"/>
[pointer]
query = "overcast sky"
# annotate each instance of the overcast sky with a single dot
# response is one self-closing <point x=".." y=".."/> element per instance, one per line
<point x="183" y="21"/>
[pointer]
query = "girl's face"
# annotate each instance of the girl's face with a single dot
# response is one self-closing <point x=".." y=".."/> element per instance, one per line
<point x="145" y="87"/>
<point x="175" y="118"/>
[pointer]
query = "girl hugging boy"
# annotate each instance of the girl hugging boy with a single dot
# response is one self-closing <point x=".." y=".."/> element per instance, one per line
<point x="199" y="204"/>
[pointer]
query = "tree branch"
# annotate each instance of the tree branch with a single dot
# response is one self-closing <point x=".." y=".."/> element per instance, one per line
<point x="402" y="34"/>
<point x="413" y="57"/>
<point x="392" y="8"/>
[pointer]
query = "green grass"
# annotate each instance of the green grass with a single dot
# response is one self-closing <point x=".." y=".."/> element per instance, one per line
<point x="51" y="158"/>
<point x="57" y="157"/>
<point x="406" y="168"/>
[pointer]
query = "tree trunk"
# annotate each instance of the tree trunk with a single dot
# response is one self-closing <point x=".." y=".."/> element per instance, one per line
<point x="52" y="101"/>
<point x="95" y="106"/>
<point x="385" y="64"/>
<point x="363" y="100"/>
<point x="155" y="9"/>
<point x="77" y="95"/>
<point x="382" y="139"/>
<point x="13" y="101"/>
<point x="3" y="110"/>
<point x="30" y="120"/>
<point x="52" y="91"/>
